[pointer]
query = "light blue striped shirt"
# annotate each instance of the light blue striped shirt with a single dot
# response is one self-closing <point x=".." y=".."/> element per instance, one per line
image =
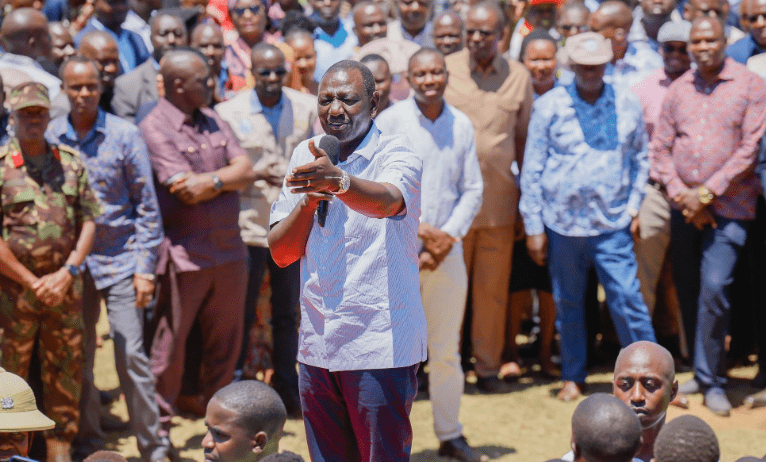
<point x="585" y="166"/>
<point x="360" y="286"/>
<point x="452" y="184"/>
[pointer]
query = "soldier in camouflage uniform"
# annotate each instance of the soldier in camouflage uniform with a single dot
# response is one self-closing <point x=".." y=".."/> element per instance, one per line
<point x="47" y="230"/>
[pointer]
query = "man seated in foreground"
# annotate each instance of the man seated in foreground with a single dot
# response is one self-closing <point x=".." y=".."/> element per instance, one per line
<point x="604" y="429"/>
<point x="644" y="379"/>
<point x="19" y="416"/>
<point x="244" y="422"/>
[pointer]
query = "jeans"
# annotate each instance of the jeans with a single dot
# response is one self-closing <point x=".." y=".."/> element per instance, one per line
<point x="612" y="256"/>
<point x="704" y="294"/>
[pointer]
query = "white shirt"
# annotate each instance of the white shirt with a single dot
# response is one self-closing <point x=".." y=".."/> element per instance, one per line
<point x="331" y="50"/>
<point x="34" y="70"/>
<point x="452" y="185"/>
<point x="360" y="286"/>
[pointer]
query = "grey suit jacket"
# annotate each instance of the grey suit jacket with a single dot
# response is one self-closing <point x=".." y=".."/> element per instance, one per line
<point x="134" y="89"/>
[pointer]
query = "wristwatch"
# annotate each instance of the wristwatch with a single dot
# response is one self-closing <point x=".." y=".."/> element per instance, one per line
<point x="73" y="270"/>
<point x="217" y="183"/>
<point x="705" y="195"/>
<point x="343" y="184"/>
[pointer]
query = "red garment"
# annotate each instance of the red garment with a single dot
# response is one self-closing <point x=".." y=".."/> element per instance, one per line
<point x="708" y="135"/>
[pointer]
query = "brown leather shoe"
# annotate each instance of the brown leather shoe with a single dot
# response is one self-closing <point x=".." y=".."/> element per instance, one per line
<point x="571" y="391"/>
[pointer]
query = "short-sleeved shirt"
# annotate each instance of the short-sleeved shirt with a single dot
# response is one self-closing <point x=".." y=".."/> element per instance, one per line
<point x="499" y="103"/>
<point x="43" y="209"/>
<point x="360" y="286"/>
<point x="205" y="234"/>
<point x="331" y="49"/>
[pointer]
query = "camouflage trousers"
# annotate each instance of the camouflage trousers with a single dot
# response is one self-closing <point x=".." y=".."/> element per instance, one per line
<point x="59" y="329"/>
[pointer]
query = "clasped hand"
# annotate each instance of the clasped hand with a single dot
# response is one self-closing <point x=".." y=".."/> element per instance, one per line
<point x="437" y="244"/>
<point x="316" y="179"/>
<point x="52" y="288"/>
<point x="693" y="210"/>
<point x="193" y="188"/>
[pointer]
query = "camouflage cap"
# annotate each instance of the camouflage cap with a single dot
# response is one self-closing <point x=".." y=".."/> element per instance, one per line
<point x="29" y="94"/>
<point x="18" y="408"/>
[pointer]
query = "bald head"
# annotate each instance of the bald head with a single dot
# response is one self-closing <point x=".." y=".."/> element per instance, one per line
<point x="102" y="48"/>
<point x="186" y="76"/>
<point x="95" y="40"/>
<point x="694" y="9"/>
<point x="614" y="14"/>
<point x="448" y="32"/>
<point x="604" y="429"/>
<point x="651" y="353"/>
<point x="25" y="32"/>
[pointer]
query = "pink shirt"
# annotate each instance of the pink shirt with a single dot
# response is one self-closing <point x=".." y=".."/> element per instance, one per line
<point x="708" y="133"/>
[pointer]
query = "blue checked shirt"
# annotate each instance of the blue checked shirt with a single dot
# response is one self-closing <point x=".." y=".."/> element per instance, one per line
<point x="585" y="166"/>
<point x="360" y="284"/>
<point x="129" y="232"/>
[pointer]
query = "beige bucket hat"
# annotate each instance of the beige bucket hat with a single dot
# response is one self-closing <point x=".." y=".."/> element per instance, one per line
<point x="18" y="408"/>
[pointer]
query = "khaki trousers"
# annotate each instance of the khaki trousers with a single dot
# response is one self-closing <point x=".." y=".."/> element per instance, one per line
<point x="488" y="253"/>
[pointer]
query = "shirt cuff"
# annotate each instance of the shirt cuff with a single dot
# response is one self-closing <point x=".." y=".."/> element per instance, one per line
<point x="275" y="217"/>
<point x="675" y="187"/>
<point x="533" y="225"/>
<point x="717" y="183"/>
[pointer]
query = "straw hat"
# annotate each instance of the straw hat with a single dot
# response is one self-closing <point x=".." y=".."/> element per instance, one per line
<point x="18" y="409"/>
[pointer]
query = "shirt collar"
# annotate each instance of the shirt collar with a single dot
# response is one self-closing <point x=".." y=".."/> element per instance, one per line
<point x="369" y="144"/>
<point x="607" y="96"/>
<point x="174" y="116"/>
<point x="68" y="130"/>
<point x="493" y="68"/>
<point x="727" y="71"/>
<point x="337" y="39"/>
<point x="420" y="35"/>
<point x="414" y="105"/>
<point x="256" y="107"/>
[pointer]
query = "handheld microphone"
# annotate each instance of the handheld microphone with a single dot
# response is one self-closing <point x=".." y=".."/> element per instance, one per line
<point x="331" y="146"/>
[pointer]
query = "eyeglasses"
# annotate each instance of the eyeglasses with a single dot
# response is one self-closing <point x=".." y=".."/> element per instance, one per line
<point x="483" y="33"/>
<point x="280" y="71"/>
<point x="574" y="27"/>
<point x="255" y="9"/>
<point x="668" y="48"/>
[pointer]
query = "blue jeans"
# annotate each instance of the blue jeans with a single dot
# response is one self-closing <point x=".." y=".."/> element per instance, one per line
<point x="704" y="294"/>
<point x="612" y="256"/>
<point x="358" y="415"/>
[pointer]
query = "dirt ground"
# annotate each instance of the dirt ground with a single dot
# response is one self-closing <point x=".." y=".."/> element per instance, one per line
<point x="526" y="425"/>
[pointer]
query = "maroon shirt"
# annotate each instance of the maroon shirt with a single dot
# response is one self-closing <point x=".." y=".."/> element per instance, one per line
<point x="205" y="234"/>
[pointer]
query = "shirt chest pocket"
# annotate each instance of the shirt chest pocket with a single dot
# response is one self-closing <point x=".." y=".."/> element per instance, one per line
<point x="218" y="146"/>
<point x="18" y="205"/>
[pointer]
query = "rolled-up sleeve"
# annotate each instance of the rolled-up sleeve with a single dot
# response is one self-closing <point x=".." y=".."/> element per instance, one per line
<point x="403" y="169"/>
<point x="287" y="201"/>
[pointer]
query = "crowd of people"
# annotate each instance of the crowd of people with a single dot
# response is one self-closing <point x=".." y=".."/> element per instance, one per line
<point x="594" y="167"/>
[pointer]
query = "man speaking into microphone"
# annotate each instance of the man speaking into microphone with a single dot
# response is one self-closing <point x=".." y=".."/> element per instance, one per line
<point x="363" y="331"/>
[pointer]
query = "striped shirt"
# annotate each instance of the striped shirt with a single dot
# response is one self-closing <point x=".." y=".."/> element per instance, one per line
<point x="708" y="134"/>
<point x="360" y="286"/>
<point x="452" y="184"/>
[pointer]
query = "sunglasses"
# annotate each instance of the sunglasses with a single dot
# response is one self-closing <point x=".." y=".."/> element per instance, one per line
<point x="574" y="27"/>
<point x="280" y="71"/>
<point x="668" y="48"/>
<point x="483" y="33"/>
<point x="255" y="9"/>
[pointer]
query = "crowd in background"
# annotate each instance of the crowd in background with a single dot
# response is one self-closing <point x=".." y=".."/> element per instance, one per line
<point x="608" y="188"/>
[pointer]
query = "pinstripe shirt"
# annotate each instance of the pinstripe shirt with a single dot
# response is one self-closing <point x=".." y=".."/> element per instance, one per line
<point x="360" y="288"/>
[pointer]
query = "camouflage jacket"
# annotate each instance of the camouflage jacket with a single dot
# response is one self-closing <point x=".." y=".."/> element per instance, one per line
<point x="43" y="209"/>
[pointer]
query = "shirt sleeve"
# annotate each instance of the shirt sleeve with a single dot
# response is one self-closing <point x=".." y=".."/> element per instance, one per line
<point x="148" y="222"/>
<point x="639" y="160"/>
<point x="753" y="126"/>
<point x="660" y="147"/>
<point x="524" y="118"/>
<point x="403" y="168"/>
<point x="287" y="201"/>
<point x="536" y="155"/>
<point x="89" y="207"/>
<point x="165" y="158"/>
<point x="471" y="187"/>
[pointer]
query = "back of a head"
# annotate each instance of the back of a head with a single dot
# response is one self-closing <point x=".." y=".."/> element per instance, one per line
<point x="259" y="407"/>
<point x="686" y="439"/>
<point x="105" y="456"/>
<point x="604" y="429"/>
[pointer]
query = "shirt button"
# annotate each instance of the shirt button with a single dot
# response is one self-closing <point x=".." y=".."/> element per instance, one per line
<point x="203" y="146"/>
<point x="191" y="149"/>
<point x="695" y="172"/>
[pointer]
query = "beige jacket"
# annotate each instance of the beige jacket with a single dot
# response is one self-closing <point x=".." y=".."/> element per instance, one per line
<point x="255" y="135"/>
